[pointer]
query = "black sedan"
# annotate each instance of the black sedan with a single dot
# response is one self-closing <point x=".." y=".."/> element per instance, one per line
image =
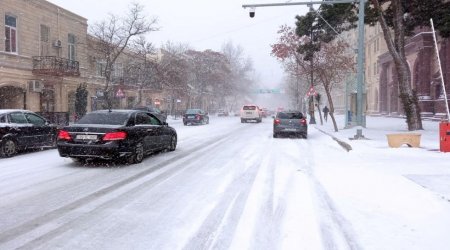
<point x="290" y="122"/>
<point x="195" y="116"/>
<point x="23" y="129"/>
<point x="116" y="134"/>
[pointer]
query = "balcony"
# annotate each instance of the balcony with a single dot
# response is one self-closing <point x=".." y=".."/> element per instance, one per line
<point x="55" y="66"/>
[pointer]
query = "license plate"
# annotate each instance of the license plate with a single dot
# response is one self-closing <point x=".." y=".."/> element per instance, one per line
<point x="191" y="116"/>
<point x="248" y="113"/>
<point x="290" y="129"/>
<point x="86" y="137"/>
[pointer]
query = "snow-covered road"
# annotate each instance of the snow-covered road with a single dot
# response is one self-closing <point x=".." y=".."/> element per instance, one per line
<point x="227" y="186"/>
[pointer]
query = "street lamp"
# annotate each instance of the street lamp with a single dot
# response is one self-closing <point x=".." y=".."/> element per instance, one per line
<point x="361" y="51"/>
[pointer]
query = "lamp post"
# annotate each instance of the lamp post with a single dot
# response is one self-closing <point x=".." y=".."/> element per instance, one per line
<point x="360" y="121"/>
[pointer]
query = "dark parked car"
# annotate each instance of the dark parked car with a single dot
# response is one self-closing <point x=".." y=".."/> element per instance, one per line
<point x="195" y="116"/>
<point x="22" y="129"/>
<point x="222" y="112"/>
<point x="155" y="111"/>
<point x="116" y="134"/>
<point x="290" y="122"/>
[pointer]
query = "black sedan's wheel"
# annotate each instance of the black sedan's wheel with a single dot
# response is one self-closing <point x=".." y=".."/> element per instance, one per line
<point x="275" y="135"/>
<point x="207" y="121"/>
<point x="138" y="154"/>
<point x="8" y="148"/>
<point x="173" y="143"/>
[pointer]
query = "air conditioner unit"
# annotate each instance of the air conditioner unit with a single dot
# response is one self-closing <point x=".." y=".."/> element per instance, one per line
<point x="57" y="44"/>
<point x="35" y="86"/>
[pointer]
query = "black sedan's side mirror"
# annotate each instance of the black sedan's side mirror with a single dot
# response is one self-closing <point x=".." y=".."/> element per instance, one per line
<point x="165" y="124"/>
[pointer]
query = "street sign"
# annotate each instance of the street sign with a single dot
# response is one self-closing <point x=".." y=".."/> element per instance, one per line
<point x="311" y="92"/>
<point x="266" y="91"/>
<point x="120" y="93"/>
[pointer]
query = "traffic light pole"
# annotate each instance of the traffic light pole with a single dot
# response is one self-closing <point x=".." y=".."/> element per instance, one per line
<point x="360" y="121"/>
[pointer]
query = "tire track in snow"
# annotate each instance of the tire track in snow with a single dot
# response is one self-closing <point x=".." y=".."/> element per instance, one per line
<point x="335" y="223"/>
<point x="218" y="229"/>
<point x="49" y="217"/>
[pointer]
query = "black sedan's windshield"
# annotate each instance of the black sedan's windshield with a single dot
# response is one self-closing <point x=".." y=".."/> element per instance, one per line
<point x="104" y="118"/>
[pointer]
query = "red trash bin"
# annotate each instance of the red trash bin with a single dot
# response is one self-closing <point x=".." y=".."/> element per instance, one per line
<point x="444" y="134"/>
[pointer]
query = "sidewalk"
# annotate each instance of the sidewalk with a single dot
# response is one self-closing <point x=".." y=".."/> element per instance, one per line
<point x="426" y="165"/>
<point x="392" y="198"/>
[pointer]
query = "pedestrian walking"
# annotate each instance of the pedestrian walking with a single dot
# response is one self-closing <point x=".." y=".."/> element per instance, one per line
<point x="325" y="112"/>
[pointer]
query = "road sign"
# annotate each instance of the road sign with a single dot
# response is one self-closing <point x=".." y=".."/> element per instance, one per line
<point x="311" y="92"/>
<point x="266" y="91"/>
<point x="120" y="93"/>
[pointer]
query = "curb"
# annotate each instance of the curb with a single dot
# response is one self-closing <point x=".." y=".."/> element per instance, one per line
<point x="343" y="144"/>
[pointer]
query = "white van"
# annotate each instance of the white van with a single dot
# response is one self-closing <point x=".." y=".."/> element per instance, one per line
<point x="250" y="113"/>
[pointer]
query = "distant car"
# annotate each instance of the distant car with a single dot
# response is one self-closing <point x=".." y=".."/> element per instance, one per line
<point x="195" y="116"/>
<point x="116" y="134"/>
<point x="222" y="112"/>
<point x="155" y="111"/>
<point x="23" y="129"/>
<point x="264" y="112"/>
<point x="290" y="122"/>
<point x="250" y="113"/>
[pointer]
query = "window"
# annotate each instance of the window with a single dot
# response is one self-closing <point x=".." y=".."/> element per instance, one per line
<point x="10" y="34"/>
<point x="154" y="121"/>
<point x="35" y="120"/>
<point x="71" y="46"/>
<point x="118" y="70"/>
<point x="143" y="119"/>
<point x="2" y="118"/>
<point x="249" y="108"/>
<point x="282" y="115"/>
<point x="45" y="34"/>
<point x="18" y="118"/>
<point x="101" y="68"/>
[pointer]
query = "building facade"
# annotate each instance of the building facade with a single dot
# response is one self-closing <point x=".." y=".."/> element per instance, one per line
<point x="425" y="75"/>
<point x="43" y="56"/>
<point x="46" y="55"/>
<point x="375" y="46"/>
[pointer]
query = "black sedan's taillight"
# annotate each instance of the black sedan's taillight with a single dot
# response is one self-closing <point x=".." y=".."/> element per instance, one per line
<point x="115" y="136"/>
<point x="64" y="135"/>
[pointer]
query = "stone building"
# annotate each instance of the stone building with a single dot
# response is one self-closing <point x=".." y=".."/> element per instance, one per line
<point x="43" y="56"/>
<point x="426" y="79"/>
<point x="375" y="46"/>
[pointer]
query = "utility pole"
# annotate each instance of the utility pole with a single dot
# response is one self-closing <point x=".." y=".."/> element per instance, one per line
<point x="360" y="120"/>
<point x="312" y="120"/>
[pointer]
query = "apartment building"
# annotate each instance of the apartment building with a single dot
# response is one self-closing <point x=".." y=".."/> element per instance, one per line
<point x="375" y="46"/>
<point x="46" y="55"/>
<point x="42" y="56"/>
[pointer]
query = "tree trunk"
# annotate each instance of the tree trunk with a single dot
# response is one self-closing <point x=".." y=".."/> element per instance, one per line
<point x="312" y="119"/>
<point x="320" y="114"/>
<point x="331" y="112"/>
<point x="396" y="48"/>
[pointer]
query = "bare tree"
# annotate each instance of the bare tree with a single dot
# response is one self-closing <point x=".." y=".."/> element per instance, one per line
<point x="333" y="64"/>
<point x="396" y="44"/>
<point x="241" y="69"/>
<point x="330" y="64"/>
<point x="113" y="36"/>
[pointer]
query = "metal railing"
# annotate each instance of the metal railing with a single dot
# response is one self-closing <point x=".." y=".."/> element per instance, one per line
<point x="52" y="65"/>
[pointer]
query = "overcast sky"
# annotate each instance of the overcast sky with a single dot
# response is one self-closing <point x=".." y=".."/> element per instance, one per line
<point x="206" y="24"/>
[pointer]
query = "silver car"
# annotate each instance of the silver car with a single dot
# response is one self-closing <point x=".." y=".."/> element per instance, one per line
<point x="290" y="123"/>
